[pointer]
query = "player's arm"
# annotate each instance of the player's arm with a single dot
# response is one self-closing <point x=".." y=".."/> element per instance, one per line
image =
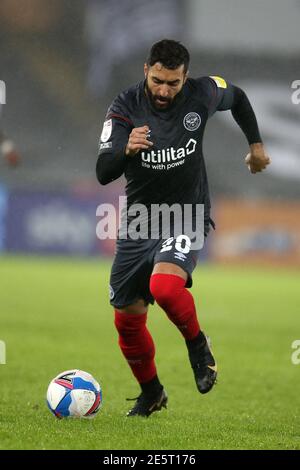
<point x="119" y="141"/>
<point x="228" y="96"/>
<point x="112" y="160"/>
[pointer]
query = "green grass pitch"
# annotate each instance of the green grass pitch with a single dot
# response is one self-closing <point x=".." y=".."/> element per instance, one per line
<point x="55" y="315"/>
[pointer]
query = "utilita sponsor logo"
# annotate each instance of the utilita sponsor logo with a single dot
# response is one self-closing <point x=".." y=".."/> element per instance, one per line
<point x="170" y="154"/>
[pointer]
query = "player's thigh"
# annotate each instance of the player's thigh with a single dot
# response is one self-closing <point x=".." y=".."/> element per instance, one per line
<point x="137" y="308"/>
<point x="130" y="274"/>
<point x="176" y="256"/>
<point x="169" y="268"/>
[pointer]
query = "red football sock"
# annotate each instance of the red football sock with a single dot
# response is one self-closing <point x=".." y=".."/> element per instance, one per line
<point x="136" y="344"/>
<point x="170" y="293"/>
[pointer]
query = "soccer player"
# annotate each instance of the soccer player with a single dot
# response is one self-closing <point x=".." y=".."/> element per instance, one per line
<point x="153" y="135"/>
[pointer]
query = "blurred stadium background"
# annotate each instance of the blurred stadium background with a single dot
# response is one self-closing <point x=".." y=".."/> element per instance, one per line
<point x="63" y="62"/>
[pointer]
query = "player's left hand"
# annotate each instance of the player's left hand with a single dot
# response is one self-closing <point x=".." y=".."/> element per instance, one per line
<point x="257" y="160"/>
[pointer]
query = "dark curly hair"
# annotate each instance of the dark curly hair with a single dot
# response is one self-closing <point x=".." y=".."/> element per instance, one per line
<point x="171" y="54"/>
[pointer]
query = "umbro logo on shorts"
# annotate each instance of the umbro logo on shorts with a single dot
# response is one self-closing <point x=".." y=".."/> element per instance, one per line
<point x="179" y="256"/>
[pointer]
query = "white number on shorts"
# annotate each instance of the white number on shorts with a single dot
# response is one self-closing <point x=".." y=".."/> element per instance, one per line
<point x="182" y="244"/>
<point x="167" y="245"/>
<point x="186" y="244"/>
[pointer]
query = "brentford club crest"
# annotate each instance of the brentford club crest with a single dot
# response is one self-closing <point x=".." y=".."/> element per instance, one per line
<point x="192" y="121"/>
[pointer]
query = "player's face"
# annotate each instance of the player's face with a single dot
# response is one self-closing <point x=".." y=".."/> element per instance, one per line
<point x="162" y="85"/>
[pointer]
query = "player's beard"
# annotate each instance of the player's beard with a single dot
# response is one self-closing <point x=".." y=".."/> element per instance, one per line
<point x="154" y="99"/>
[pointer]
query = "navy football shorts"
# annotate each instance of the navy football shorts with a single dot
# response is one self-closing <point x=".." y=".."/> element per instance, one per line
<point x="134" y="262"/>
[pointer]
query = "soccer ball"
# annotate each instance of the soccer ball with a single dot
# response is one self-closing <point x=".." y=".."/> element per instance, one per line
<point x="74" y="393"/>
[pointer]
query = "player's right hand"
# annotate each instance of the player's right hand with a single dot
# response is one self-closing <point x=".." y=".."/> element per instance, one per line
<point x="138" y="141"/>
<point x="257" y="160"/>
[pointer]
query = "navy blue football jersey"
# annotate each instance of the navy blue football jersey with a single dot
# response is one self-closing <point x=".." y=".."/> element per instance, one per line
<point x="173" y="169"/>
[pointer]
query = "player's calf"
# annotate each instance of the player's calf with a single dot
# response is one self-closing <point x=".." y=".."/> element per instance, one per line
<point x="171" y="295"/>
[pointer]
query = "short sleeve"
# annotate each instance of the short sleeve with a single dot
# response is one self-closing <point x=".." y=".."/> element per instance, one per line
<point x="217" y="93"/>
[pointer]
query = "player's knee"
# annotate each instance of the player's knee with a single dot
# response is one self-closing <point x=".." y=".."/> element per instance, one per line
<point x="162" y="289"/>
<point x="129" y="324"/>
